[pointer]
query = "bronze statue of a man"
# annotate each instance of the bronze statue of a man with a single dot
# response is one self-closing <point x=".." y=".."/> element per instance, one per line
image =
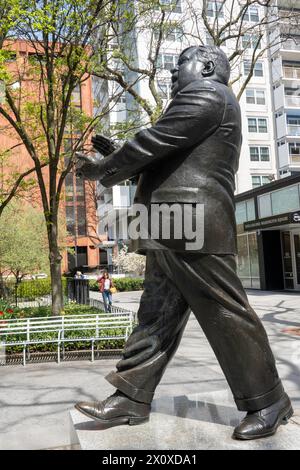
<point x="190" y="156"/>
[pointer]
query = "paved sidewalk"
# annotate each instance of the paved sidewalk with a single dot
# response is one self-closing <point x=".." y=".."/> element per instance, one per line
<point x="127" y="300"/>
<point x="35" y="400"/>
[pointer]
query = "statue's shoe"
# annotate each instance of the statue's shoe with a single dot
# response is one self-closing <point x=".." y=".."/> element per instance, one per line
<point x="116" y="409"/>
<point x="265" y="422"/>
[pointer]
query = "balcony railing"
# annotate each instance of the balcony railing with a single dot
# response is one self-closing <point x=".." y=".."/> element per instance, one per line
<point x="293" y="130"/>
<point x="291" y="72"/>
<point x="292" y="101"/>
<point x="294" y="158"/>
<point x="290" y="45"/>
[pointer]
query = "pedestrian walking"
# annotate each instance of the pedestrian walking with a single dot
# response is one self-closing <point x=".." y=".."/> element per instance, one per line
<point x="106" y="287"/>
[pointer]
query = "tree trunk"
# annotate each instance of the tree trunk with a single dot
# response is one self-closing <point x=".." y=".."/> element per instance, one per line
<point x="56" y="281"/>
<point x="55" y="269"/>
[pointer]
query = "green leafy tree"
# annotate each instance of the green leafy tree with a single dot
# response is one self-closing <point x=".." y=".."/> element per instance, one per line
<point x="38" y="90"/>
<point x="23" y="241"/>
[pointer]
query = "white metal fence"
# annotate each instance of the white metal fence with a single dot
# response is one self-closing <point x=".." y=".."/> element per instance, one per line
<point x="90" y="328"/>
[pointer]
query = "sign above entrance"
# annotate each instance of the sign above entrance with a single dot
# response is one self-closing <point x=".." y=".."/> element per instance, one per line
<point x="282" y="219"/>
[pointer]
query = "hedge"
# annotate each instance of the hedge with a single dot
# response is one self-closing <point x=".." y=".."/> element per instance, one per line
<point x="38" y="288"/>
<point x="122" y="284"/>
<point x="44" y="311"/>
<point x="31" y="289"/>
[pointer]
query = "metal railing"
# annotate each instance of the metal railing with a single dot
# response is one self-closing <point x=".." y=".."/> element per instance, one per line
<point x="293" y="129"/>
<point x="294" y="158"/>
<point x="291" y="72"/>
<point x="115" y="310"/>
<point x="292" y="101"/>
<point x="90" y="327"/>
<point x="290" y="45"/>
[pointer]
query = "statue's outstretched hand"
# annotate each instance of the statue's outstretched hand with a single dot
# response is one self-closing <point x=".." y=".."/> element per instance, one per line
<point x="88" y="166"/>
<point x="103" y="145"/>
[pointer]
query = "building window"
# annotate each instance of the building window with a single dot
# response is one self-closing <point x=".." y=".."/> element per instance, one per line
<point x="264" y="205"/>
<point x="293" y="123"/>
<point x="70" y="219"/>
<point x="251" y="41"/>
<point x="81" y="220"/>
<point x="290" y="71"/>
<point x="69" y="185"/>
<point x="103" y="257"/>
<point x="289" y="91"/>
<point x="244" y="211"/>
<point x="255" y="96"/>
<point x="259" y="154"/>
<point x="252" y="14"/>
<point x="120" y="99"/>
<point x="171" y="5"/>
<point x="285" y="200"/>
<point x="80" y="193"/>
<point x="248" y="261"/>
<point x="82" y="256"/>
<point x="280" y="201"/>
<point x="257" y="125"/>
<point x="259" y="180"/>
<point x="117" y="64"/>
<point x="258" y="70"/>
<point x="264" y="154"/>
<point x="77" y="257"/>
<point x="209" y="40"/>
<point x="76" y="96"/>
<point x="254" y="154"/>
<point x="215" y="9"/>
<point x="167" y="61"/>
<point x="293" y="120"/>
<point x="294" y="148"/>
<point x="294" y="151"/>
<point x="172" y="34"/>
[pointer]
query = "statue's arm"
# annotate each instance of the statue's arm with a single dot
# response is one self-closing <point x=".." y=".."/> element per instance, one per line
<point x="193" y="115"/>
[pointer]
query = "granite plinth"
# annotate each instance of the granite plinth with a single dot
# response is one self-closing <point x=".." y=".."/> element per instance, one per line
<point x="198" y="421"/>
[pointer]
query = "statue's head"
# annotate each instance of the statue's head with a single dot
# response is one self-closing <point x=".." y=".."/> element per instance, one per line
<point x="198" y="62"/>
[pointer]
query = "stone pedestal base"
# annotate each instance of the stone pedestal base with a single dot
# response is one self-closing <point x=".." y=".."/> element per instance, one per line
<point x="193" y="422"/>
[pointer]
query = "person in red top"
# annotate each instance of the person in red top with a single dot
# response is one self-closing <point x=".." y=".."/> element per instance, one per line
<point x="105" y="284"/>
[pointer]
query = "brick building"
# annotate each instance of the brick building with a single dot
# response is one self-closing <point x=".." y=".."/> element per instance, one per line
<point x="78" y="205"/>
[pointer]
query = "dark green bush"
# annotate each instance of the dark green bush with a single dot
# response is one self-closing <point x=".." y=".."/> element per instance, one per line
<point x="123" y="284"/>
<point x="45" y="311"/>
<point x="94" y="285"/>
<point x="32" y="289"/>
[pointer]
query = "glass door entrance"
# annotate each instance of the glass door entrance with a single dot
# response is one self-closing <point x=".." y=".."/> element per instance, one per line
<point x="296" y="253"/>
<point x="291" y="259"/>
<point x="288" y="273"/>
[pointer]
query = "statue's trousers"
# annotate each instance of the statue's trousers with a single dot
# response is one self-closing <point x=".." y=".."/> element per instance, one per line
<point x="175" y="284"/>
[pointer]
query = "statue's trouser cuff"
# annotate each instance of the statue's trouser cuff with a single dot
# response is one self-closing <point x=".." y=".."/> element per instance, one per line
<point x="129" y="389"/>
<point x="261" y="401"/>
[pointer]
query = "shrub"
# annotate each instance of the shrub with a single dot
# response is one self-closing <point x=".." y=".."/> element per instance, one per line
<point x="32" y="289"/>
<point x="129" y="283"/>
<point x="93" y="284"/>
<point x="45" y="311"/>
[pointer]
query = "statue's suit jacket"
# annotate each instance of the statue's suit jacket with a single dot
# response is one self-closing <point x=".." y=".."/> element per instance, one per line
<point x="189" y="156"/>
